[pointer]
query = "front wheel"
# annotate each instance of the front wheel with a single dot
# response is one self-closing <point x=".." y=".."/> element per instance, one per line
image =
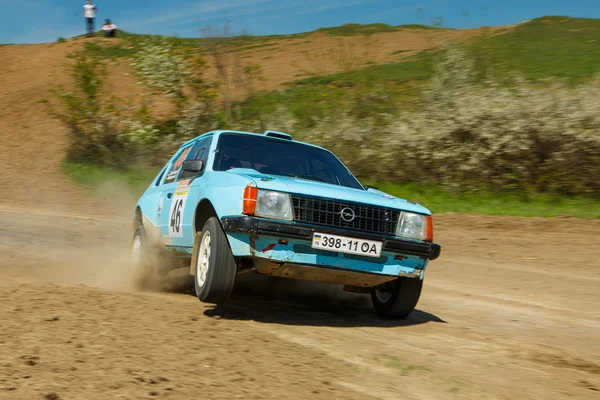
<point x="396" y="299"/>
<point x="215" y="267"/>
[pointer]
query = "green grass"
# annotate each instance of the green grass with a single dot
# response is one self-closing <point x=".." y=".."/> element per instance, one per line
<point x="94" y="176"/>
<point x="109" y="52"/>
<point x="317" y="96"/>
<point x="546" y="47"/>
<point x="369" y="29"/>
<point x="416" y="26"/>
<point x="416" y="68"/>
<point x="357" y="29"/>
<point x="514" y="204"/>
<point x="436" y="199"/>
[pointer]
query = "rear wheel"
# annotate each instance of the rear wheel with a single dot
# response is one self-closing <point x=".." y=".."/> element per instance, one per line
<point x="215" y="268"/>
<point x="147" y="265"/>
<point x="396" y="299"/>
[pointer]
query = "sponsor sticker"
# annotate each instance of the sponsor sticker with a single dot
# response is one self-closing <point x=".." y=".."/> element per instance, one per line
<point x="160" y="206"/>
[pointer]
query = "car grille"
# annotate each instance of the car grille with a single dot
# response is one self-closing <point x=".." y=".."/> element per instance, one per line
<point x="328" y="212"/>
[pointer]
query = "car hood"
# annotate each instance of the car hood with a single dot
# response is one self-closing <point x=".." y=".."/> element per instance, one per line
<point x="326" y="190"/>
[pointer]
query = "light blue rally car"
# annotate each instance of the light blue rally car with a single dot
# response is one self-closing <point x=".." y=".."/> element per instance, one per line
<point x="231" y="202"/>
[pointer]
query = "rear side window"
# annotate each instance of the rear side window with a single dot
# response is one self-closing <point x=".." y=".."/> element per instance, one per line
<point x="199" y="151"/>
<point x="174" y="169"/>
<point x="160" y="176"/>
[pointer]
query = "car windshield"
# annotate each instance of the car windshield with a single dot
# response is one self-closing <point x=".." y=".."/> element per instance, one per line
<point x="281" y="157"/>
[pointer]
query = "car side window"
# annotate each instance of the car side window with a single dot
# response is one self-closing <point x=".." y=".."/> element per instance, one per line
<point x="160" y="176"/>
<point x="174" y="168"/>
<point x="199" y="151"/>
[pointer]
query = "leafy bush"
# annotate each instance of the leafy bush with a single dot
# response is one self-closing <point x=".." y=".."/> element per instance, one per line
<point x="160" y="65"/>
<point x="464" y="131"/>
<point x="470" y="134"/>
<point x="107" y="130"/>
<point x="93" y="133"/>
<point x="170" y="66"/>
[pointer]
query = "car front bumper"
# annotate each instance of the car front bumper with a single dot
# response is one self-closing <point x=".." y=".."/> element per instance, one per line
<point x="290" y="243"/>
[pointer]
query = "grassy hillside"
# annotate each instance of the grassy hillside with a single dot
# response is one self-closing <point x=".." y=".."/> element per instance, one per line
<point x="334" y="107"/>
<point x="369" y="29"/>
<point x="547" y="47"/>
<point x="244" y="39"/>
<point x="248" y="42"/>
<point x="544" y="48"/>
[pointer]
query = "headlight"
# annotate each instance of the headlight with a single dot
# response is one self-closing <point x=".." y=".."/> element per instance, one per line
<point x="275" y="205"/>
<point x="415" y="226"/>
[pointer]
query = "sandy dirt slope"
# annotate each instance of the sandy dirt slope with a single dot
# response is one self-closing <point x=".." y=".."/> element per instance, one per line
<point x="32" y="143"/>
<point x="288" y="60"/>
<point x="511" y="310"/>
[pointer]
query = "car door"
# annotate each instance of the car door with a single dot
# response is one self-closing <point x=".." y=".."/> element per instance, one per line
<point x="180" y="196"/>
<point x="150" y="204"/>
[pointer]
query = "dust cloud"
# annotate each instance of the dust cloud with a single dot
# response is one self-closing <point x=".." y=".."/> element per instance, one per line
<point x="95" y="250"/>
<point x="63" y="247"/>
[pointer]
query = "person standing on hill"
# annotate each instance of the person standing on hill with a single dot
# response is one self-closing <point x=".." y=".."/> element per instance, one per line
<point x="89" y="13"/>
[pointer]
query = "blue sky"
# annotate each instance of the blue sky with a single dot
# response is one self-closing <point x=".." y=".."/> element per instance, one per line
<point x="31" y="21"/>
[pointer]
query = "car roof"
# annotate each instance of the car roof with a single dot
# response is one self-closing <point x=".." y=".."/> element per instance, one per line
<point x="267" y="133"/>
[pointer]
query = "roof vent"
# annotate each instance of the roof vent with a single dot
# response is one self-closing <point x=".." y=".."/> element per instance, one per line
<point x="279" y="135"/>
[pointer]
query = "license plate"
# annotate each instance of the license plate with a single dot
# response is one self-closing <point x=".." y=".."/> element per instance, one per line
<point x="347" y="245"/>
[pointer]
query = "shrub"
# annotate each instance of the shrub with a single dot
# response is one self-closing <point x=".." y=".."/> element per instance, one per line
<point x="108" y="130"/>
<point x="160" y="65"/>
<point x="93" y="133"/>
<point x="471" y="134"/>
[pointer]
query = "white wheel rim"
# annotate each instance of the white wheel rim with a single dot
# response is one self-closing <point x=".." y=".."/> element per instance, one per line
<point x="203" y="261"/>
<point x="136" y="251"/>
<point x="383" y="295"/>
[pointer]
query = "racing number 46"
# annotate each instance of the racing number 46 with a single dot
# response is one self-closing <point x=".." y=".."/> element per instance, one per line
<point x="175" y="222"/>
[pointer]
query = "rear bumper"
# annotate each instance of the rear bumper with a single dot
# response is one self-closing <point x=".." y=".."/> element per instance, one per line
<point x="259" y="226"/>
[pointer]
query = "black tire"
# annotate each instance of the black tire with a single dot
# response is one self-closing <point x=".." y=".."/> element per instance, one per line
<point x="396" y="299"/>
<point x="216" y="270"/>
<point x="148" y="266"/>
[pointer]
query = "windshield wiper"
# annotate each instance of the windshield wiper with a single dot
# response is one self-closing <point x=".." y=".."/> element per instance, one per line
<point x="309" y="177"/>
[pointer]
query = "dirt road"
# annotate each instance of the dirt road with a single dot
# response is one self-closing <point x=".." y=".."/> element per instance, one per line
<point x="511" y="310"/>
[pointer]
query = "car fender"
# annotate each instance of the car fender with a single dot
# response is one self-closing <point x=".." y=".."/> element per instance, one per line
<point x="224" y="191"/>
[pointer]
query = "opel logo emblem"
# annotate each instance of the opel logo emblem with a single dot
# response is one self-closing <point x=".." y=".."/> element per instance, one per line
<point x="347" y="214"/>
